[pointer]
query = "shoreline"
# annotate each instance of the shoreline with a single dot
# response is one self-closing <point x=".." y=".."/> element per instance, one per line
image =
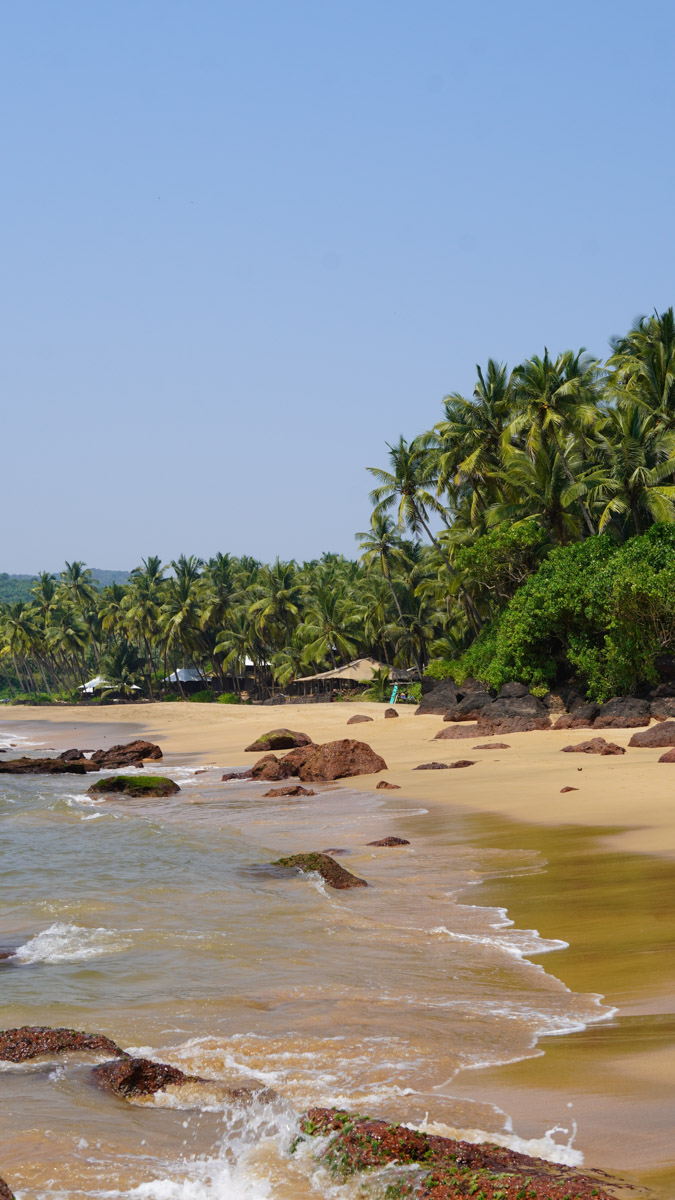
<point x="617" y="1072"/>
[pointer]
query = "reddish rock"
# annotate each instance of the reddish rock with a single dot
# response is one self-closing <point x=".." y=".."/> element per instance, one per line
<point x="452" y="733"/>
<point x="269" y="768"/>
<point x="294" y="790"/>
<point x="513" y="725"/>
<point x="333" y="760"/>
<point x="390" y="712"/>
<point x="662" y="707"/>
<point x="492" y="746"/>
<point x="358" y="719"/>
<point x="596" y="745"/>
<point x="669" y="756"/>
<point x="45" y="766"/>
<point x="383" y="786"/>
<point x="437" y="766"/>
<point x="279" y="739"/>
<point x="138" y="1076"/>
<point x="390" y="841"/>
<point x="126" y="754"/>
<point x="5" y="1193"/>
<point x="29" y="1041"/>
<point x="624" y="712"/>
<point x="657" y="735"/>
<point x="236" y="775"/>
<point x="568" y="789"/>
<point x="447" y="1169"/>
<point x="331" y="872"/>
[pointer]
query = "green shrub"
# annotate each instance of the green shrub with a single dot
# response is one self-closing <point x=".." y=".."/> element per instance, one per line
<point x="205" y="696"/>
<point x="229" y="698"/>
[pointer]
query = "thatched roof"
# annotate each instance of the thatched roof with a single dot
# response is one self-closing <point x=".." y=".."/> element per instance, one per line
<point x="361" y="670"/>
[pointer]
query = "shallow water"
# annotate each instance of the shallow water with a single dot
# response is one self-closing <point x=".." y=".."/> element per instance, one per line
<point x="156" y="923"/>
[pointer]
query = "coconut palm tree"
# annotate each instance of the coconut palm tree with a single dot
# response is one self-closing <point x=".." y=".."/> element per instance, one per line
<point x="642" y="366"/>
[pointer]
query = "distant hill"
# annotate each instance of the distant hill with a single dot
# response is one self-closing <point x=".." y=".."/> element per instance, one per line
<point x="17" y="587"/>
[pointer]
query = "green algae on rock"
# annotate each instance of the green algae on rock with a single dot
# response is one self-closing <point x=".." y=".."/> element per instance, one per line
<point x="134" y="785"/>
<point x="330" y="871"/>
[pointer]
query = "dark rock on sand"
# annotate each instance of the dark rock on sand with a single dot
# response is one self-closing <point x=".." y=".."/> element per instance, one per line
<point x="126" y="754"/>
<point x="487" y="727"/>
<point x="134" y="786"/>
<point x="333" y="760"/>
<point x="471" y="708"/>
<point x="294" y="790"/>
<point x="448" y="1169"/>
<point x="581" y="716"/>
<point x="657" y="735"/>
<point x="331" y="872"/>
<point x="390" y="841"/>
<point x="511" y="691"/>
<point x="453" y="733"/>
<point x="390" y="712"/>
<point x="29" y="1041"/>
<point x="669" y="756"/>
<point x="437" y="766"/>
<point x="624" y="712"/>
<point x="138" y="1076"/>
<point x="507" y="708"/>
<point x="596" y="745"/>
<point x="662" y="707"/>
<point x="5" y="1193"/>
<point x="492" y="746"/>
<point x="384" y="786"/>
<point x="358" y="719"/>
<point x="568" y="789"/>
<point x="440" y="700"/>
<point x="279" y="739"/>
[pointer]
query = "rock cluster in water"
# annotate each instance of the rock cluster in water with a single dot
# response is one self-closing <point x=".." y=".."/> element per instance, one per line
<point x="75" y="762"/>
<point x="316" y="763"/>
<point x="134" y="785"/>
<point x="330" y="871"/>
<point x="447" y="1169"/>
<point x="29" y="1041"/>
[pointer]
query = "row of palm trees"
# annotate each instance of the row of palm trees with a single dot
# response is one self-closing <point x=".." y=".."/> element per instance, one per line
<point x="561" y="448"/>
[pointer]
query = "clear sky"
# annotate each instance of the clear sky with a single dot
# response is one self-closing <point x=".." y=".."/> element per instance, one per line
<point x="246" y="243"/>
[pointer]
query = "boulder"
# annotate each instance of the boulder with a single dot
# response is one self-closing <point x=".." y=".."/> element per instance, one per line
<point x="623" y="712"/>
<point x="294" y="790"/>
<point x="134" y="786"/>
<point x="390" y="712"/>
<point x="511" y="691"/>
<point x="487" y="728"/>
<point x="236" y="775"/>
<point x="126" y="754"/>
<point x="333" y="760"/>
<point x="358" y="719"/>
<point x="581" y="716"/>
<point x="5" y="1193"/>
<point x="662" y="707"/>
<point x="441" y="699"/>
<point x="269" y="768"/>
<point x="669" y="756"/>
<point x="279" y="739"/>
<point x="492" y="746"/>
<point x="330" y="871"/>
<point x="596" y="745"/>
<point x="383" y="786"/>
<point x="390" y="841"/>
<point x="128" y="1077"/>
<point x="471" y="708"/>
<point x="453" y="733"/>
<point x="45" y="766"/>
<point x="30" y="1041"/>
<point x="657" y="735"/>
<point x="438" y="766"/>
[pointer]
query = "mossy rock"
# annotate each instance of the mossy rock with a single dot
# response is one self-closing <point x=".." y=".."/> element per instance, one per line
<point x="329" y="870"/>
<point x="134" y="785"/>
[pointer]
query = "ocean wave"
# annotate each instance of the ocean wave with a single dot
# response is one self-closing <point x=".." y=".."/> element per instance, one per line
<point x="71" y="943"/>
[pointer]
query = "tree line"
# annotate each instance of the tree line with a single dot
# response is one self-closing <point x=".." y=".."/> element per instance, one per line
<point x="560" y="450"/>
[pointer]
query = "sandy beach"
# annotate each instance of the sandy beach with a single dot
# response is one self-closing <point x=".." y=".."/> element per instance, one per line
<point x="607" y="889"/>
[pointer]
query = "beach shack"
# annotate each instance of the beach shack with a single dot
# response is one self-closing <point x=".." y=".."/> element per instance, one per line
<point x="350" y="677"/>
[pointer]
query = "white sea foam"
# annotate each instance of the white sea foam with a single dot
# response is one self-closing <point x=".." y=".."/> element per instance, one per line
<point x="542" y="1147"/>
<point x="71" y="943"/>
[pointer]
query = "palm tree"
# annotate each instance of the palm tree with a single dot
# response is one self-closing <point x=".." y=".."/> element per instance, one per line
<point x="638" y="459"/>
<point x="642" y="366"/>
<point x="556" y="398"/>
<point x="327" y="627"/>
<point x="380" y="544"/>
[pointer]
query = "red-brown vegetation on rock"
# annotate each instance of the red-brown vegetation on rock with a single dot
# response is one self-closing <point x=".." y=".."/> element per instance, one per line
<point x="29" y="1041"/>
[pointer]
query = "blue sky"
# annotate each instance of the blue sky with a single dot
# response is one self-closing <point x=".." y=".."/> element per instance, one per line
<point x="246" y="244"/>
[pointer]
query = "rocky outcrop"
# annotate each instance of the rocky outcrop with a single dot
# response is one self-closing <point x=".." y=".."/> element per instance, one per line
<point x="662" y="707"/>
<point x="45" y="766"/>
<point x="279" y="739"/>
<point x="384" y="786"/>
<point x="669" y="756"/>
<point x="581" y="716"/>
<point x="596" y="745"/>
<point x="268" y="769"/>
<point x="358" y="719"/>
<point x="134" y="786"/>
<point x="487" y="728"/>
<point x="657" y="735"/>
<point x="453" y="733"/>
<point x="30" y="1041"/>
<point x="5" y="1193"/>
<point x="236" y="775"/>
<point x="126" y="754"/>
<point x="447" y="1169"/>
<point x="470" y="708"/>
<point x="330" y="871"/>
<point x="390" y="712"/>
<point x="440" y="700"/>
<point x="332" y="760"/>
<point x="512" y="691"/>
<point x="128" y="1077"/>
<point x="439" y="766"/>
<point x="624" y="712"/>
<point x="294" y="790"/>
<point x="390" y="841"/>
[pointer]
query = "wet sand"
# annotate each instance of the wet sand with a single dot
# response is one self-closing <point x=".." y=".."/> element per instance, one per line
<point x="608" y="891"/>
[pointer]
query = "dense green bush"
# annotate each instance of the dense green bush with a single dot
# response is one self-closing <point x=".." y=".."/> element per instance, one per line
<point x="205" y="696"/>
<point x="594" y="611"/>
<point x="229" y="698"/>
